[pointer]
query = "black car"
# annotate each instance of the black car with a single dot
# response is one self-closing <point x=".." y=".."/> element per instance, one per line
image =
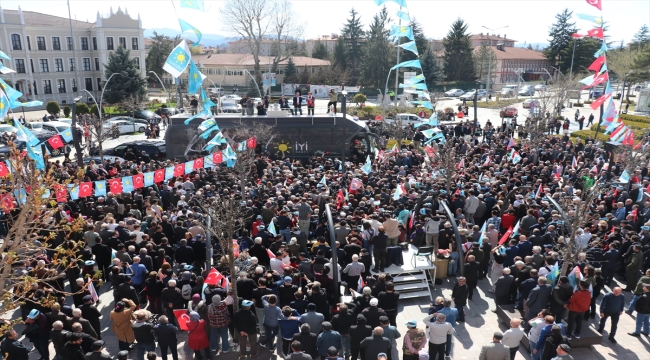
<point x="156" y="149"/>
<point x="167" y="111"/>
<point x="42" y="137"/>
<point x="143" y="114"/>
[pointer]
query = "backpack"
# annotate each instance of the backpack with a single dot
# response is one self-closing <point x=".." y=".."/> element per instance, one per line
<point x="186" y="292"/>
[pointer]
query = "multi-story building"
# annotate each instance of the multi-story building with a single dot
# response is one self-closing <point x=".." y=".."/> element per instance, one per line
<point x="328" y="40"/>
<point x="41" y="50"/>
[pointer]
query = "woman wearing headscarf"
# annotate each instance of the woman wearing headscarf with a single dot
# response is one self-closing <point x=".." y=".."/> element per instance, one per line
<point x="121" y="318"/>
<point x="197" y="339"/>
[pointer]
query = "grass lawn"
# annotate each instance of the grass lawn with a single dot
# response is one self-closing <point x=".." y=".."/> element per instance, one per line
<point x="493" y="104"/>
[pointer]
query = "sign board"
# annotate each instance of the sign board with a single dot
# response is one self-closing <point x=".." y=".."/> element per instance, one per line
<point x="379" y="118"/>
<point x="422" y="114"/>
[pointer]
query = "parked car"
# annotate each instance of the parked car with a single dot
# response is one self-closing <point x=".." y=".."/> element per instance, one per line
<point x="540" y="87"/>
<point x="406" y="119"/>
<point x="55" y="126"/>
<point x="454" y="92"/>
<point x="469" y="96"/>
<point x="7" y="128"/>
<point x="144" y="114"/>
<point x="508" y="112"/>
<point x="98" y="158"/>
<point x="167" y="111"/>
<point x="139" y="123"/>
<point x="527" y="103"/>
<point x="233" y="97"/>
<point x="124" y="126"/>
<point x="595" y="94"/>
<point x="527" y="91"/>
<point x="156" y="149"/>
<point x="509" y="90"/>
<point x="230" y="106"/>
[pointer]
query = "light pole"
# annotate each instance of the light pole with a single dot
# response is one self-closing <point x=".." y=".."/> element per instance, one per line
<point x="215" y="86"/>
<point x="163" y="85"/>
<point x="382" y="103"/>
<point x="256" y="84"/>
<point x="101" y="99"/>
<point x="344" y="109"/>
<point x="487" y="86"/>
<point x="622" y="93"/>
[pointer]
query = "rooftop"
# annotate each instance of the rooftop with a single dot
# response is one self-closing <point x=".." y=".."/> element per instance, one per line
<point x="44" y="20"/>
<point x="493" y="37"/>
<point x="247" y="60"/>
<point x="515" y="53"/>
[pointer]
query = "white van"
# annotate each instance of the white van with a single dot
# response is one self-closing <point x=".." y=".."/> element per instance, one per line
<point x="509" y="90"/>
<point x="216" y="91"/>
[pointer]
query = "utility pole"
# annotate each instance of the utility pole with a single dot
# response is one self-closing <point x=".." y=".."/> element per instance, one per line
<point x="487" y="83"/>
<point x="397" y="70"/>
<point x="73" y="126"/>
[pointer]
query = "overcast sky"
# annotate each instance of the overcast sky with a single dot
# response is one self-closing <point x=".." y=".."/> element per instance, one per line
<point x="527" y="20"/>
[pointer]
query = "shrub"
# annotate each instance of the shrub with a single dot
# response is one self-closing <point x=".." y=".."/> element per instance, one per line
<point x="628" y="101"/>
<point x="360" y="98"/>
<point x="82" y="109"/>
<point x="94" y="110"/>
<point x="53" y="108"/>
<point x="66" y="111"/>
<point x="588" y="101"/>
<point x="578" y="105"/>
<point x="635" y="118"/>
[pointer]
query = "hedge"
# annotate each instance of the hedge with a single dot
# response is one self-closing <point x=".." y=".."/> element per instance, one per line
<point x="631" y="124"/>
<point x="635" y="118"/>
<point x="586" y="134"/>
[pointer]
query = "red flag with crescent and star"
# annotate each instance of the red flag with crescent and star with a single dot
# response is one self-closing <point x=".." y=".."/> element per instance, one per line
<point x="115" y="185"/>
<point x="251" y="143"/>
<point x="213" y="278"/>
<point x="86" y="189"/>
<point x="138" y="181"/>
<point x="159" y="176"/>
<point x="198" y="164"/>
<point x="55" y="142"/>
<point x="596" y="3"/>
<point x="61" y="193"/>
<point x="217" y="158"/>
<point x="4" y="171"/>
<point x="597" y="33"/>
<point x="505" y="236"/>
<point x="6" y="202"/>
<point x="182" y="318"/>
<point x="179" y="170"/>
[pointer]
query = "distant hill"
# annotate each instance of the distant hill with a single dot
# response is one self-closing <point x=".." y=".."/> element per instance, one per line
<point x="208" y="39"/>
<point x="541" y="46"/>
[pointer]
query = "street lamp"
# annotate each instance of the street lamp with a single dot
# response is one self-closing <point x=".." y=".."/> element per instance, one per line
<point x="163" y="85"/>
<point x="622" y="93"/>
<point x="487" y="86"/>
<point x="478" y="83"/>
<point x="344" y="109"/>
<point x="101" y="98"/>
<point x="75" y="135"/>
<point x="382" y="103"/>
<point x="215" y="86"/>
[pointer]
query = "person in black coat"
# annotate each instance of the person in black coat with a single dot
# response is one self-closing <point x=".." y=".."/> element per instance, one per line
<point x="72" y="348"/>
<point x="459" y="296"/>
<point x="307" y="341"/>
<point x="184" y="253"/>
<point x="358" y="333"/>
<point x="125" y="290"/>
<point x="560" y="297"/>
<point x="342" y="322"/>
<point x="246" y="325"/>
<point x="376" y="344"/>
<point x="502" y="288"/>
<point x="608" y="263"/>
<point x="13" y="348"/>
<point x="472" y="269"/>
<point x="525" y="287"/>
<point x="91" y="314"/>
<point x="166" y="335"/>
<point x="102" y="257"/>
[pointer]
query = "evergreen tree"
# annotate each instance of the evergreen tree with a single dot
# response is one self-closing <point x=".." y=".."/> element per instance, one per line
<point x="584" y="54"/>
<point x="458" y="60"/>
<point x="430" y="68"/>
<point x="377" y="52"/>
<point x="320" y="51"/>
<point x="129" y="83"/>
<point x="252" y="91"/>
<point x="641" y="38"/>
<point x="421" y="42"/>
<point x="290" y="72"/>
<point x="353" y="35"/>
<point x="340" y="54"/>
<point x="560" y="33"/>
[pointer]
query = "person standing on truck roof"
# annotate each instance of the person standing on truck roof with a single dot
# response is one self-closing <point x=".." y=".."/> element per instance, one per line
<point x="333" y="99"/>
<point x="194" y="104"/>
<point x="297" y="103"/>
<point x="242" y="102"/>
<point x="311" y="101"/>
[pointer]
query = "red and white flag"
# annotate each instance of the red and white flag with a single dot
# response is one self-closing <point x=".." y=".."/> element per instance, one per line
<point x="597" y="33"/>
<point x="92" y="291"/>
<point x="55" y="142"/>
<point x="488" y="161"/>
<point x="86" y="189"/>
<point x="214" y="277"/>
<point x="574" y="163"/>
<point x="597" y="64"/>
<point x="461" y="164"/>
<point x="596" y="3"/>
<point x="594" y="169"/>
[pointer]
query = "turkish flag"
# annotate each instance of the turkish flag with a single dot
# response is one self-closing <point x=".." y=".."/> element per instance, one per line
<point x="597" y="33"/>
<point x="6" y="202"/>
<point x="61" y="194"/>
<point x="182" y="318"/>
<point x="251" y="143"/>
<point x="598" y="80"/>
<point x="213" y="278"/>
<point x="198" y="164"/>
<point x="179" y="170"/>
<point x="159" y="176"/>
<point x="85" y="189"/>
<point x="138" y="181"/>
<point x="4" y="171"/>
<point x="596" y="3"/>
<point x="637" y="147"/>
<point x="601" y="100"/>
<point x="340" y="199"/>
<point x="115" y="185"/>
<point x="597" y="64"/>
<point x="505" y="236"/>
<point x="217" y="158"/>
<point x="55" y="141"/>
<point x="577" y="36"/>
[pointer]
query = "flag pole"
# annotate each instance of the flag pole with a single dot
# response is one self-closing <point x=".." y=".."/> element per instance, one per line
<point x="399" y="40"/>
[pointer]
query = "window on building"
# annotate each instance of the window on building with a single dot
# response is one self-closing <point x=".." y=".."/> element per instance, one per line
<point x="134" y="43"/>
<point x="94" y="43"/>
<point x="47" y="87"/>
<point x="56" y="43"/>
<point x="40" y="43"/>
<point x="99" y="83"/>
<point x="137" y="62"/>
<point x="29" y="44"/>
<point x="60" y="85"/>
<point x="31" y="64"/>
<point x="97" y="64"/>
<point x="44" y="66"/>
<point x="35" y="88"/>
<point x="109" y="44"/>
<point x="86" y="63"/>
<point x="71" y="64"/>
<point x="122" y="42"/>
<point x="69" y="42"/>
<point x="74" y="84"/>
<point x="20" y="66"/>
<point x="15" y="42"/>
<point x="58" y="65"/>
<point x="89" y="84"/>
<point x="84" y="43"/>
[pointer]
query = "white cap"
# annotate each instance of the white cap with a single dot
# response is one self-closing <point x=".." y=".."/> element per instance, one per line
<point x="374" y="302"/>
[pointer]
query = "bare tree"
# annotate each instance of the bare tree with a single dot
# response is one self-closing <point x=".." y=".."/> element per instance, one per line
<point x="446" y="159"/>
<point x="130" y="104"/>
<point x="250" y="19"/>
<point x="97" y="132"/>
<point x="286" y="28"/>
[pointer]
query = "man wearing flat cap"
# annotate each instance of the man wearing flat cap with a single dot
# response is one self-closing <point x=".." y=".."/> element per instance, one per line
<point x="495" y="350"/>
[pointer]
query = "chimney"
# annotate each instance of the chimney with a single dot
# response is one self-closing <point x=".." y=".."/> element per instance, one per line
<point x="504" y="36"/>
<point x="500" y="47"/>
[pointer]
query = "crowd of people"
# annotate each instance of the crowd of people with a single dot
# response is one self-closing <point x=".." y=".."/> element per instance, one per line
<point x="150" y="245"/>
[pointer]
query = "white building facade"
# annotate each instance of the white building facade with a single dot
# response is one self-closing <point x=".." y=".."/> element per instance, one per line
<point x="42" y="52"/>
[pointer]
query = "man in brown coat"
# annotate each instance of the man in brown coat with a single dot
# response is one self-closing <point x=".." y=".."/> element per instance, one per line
<point x="121" y="318"/>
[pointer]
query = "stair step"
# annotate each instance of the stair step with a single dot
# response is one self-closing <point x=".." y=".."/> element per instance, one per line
<point x="415" y="294"/>
<point x="409" y="278"/>
<point x="411" y="287"/>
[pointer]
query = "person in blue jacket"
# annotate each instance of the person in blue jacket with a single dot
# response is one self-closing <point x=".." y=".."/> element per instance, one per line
<point x="612" y="306"/>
